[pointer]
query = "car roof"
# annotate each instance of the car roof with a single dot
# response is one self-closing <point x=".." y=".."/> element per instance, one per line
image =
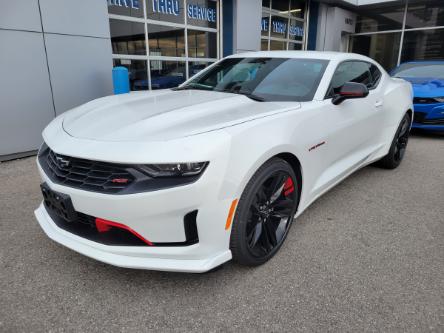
<point x="323" y="55"/>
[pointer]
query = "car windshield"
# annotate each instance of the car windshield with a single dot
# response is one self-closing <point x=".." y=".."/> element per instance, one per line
<point x="418" y="70"/>
<point x="263" y="79"/>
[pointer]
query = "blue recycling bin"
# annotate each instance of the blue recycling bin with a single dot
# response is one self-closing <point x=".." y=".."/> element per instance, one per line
<point x="121" y="80"/>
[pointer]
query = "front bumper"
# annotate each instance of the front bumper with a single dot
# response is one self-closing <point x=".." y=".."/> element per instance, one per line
<point x="431" y="128"/>
<point x="162" y="259"/>
<point x="429" y="117"/>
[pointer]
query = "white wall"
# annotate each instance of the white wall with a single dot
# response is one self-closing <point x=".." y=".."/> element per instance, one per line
<point x="333" y="23"/>
<point x="246" y="31"/>
<point x="54" y="55"/>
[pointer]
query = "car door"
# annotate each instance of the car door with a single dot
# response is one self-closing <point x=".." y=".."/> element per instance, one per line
<point x="350" y="135"/>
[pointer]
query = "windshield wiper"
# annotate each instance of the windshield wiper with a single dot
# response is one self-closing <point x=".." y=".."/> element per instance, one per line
<point x="196" y="86"/>
<point x="245" y="93"/>
<point x="183" y="88"/>
<point x="255" y="97"/>
<point x="199" y="86"/>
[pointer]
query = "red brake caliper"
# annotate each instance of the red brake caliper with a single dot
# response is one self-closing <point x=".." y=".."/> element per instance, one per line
<point x="288" y="186"/>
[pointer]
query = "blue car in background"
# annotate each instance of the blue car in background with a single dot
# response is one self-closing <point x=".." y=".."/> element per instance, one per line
<point x="427" y="79"/>
<point x="168" y="78"/>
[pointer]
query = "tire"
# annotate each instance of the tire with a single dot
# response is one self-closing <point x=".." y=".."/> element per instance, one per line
<point x="398" y="147"/>
<point x="264" y="213"/>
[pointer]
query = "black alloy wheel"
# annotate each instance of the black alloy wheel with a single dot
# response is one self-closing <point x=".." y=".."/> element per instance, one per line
<point x="399" y="145"/>
<point x="265" y="213"/>
<point x="401" y="139"/>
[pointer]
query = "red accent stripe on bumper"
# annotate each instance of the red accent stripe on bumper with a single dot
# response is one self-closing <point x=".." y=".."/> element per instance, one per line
<point x="103" y="225"/>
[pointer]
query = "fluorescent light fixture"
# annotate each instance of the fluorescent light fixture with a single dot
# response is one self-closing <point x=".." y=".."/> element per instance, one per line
<point x="290" y="11"/>
<point x="366" y="2"/>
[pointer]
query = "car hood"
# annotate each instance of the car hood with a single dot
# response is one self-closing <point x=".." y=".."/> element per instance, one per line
<point x="164" y="115"/>
<point x="426" y="87"/>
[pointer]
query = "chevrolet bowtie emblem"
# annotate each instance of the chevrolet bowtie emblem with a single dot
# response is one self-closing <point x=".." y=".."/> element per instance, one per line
<point x="61" y="162"/>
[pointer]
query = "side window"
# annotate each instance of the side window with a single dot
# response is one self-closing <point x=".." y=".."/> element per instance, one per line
<point x="361" y="72"/>
<point x="350" y="71"/>
<point x="376" y="75"/>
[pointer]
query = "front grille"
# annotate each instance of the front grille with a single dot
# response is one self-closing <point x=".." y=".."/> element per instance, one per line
<point x="85" y="174"/>
<point x="424" y="100"/>
<point x="420" y="118"/>
<point x="104" y="177"/>
<point x="436" y="121"/>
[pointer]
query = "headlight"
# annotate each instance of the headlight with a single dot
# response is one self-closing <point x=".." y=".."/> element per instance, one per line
<point x="439" y="99"/>
<point x="173" y="169"/>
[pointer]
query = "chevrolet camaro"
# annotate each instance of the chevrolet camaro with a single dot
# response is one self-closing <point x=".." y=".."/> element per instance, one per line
<point x="427" y="79"/>
<point x="185" y="179"/>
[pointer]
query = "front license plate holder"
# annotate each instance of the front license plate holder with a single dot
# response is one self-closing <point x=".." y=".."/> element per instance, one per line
<point x="58" y="203"/>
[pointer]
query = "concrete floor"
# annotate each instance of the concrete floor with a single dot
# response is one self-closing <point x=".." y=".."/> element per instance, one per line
<point x="369" y="255"/>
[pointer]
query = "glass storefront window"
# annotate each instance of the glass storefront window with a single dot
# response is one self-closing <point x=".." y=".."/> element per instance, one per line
<point x="379" y="19"/>
<point x="423" y="44"/>
<point x="202" y="44"/>
<point x="127" y="37"/>
<point x="425" y="14"/>
<point x="420" y="22"/>
<point x="264" y="44"/>
<point x="167" y="74"/>
<point x="265" y="24"/>
<point x="133" y="8"/>
<point x="296" y="30"/>
<point x="138" y="75"/>
<point x="173" y="39"/>
<point x="281" y="6"/>
<point x="294" y="46"/>
<point x="166" y="41"/>
<point x="383" y="47"/>
<point x="279" y="27"/>
<point x="297" y="8"/>
<point x="165" y="10"/>
<point x="202" y="13"/>
<point x="284" y="20"/>
<point x="195" y="67"/>
<point x="277" y="45"/>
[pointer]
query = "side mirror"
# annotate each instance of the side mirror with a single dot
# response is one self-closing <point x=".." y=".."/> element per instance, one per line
<point x="350" y="90"/>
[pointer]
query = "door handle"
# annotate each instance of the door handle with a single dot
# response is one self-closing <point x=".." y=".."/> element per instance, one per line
<point x="378" y="103"/>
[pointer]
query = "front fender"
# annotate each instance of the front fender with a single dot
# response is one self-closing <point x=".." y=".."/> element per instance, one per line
<point x="255" y="143"/>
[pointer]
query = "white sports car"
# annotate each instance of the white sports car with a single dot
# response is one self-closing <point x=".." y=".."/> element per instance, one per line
<point x="186" y="179"/>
